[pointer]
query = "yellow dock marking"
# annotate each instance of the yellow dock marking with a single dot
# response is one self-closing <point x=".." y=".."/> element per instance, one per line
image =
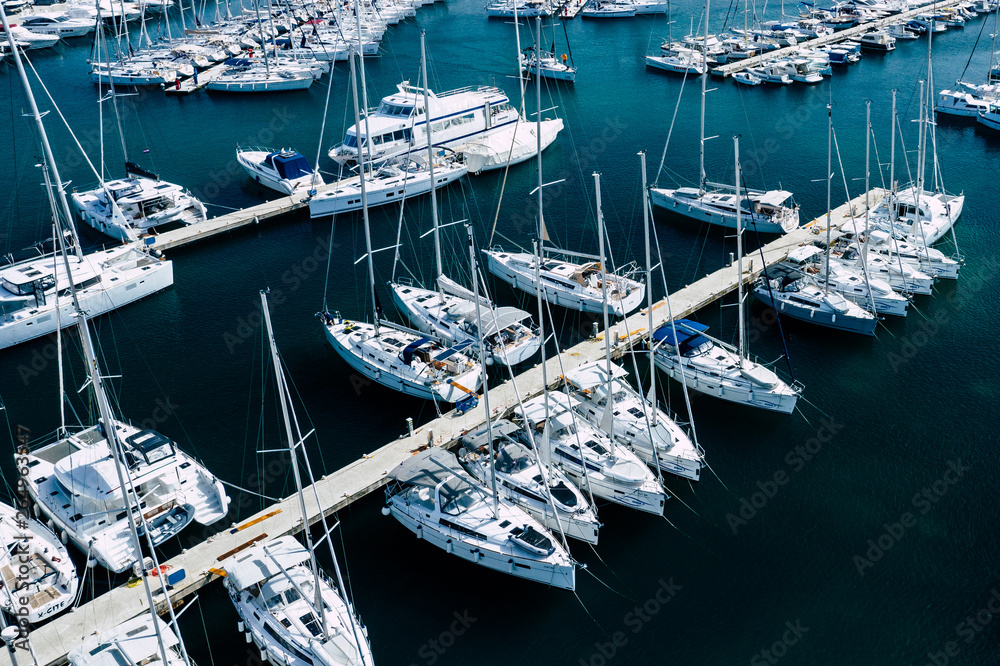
<point x="254" y="521"/>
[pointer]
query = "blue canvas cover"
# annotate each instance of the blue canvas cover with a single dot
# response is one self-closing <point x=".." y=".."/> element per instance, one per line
<point x="407" y="353"/>
<point x="289" y="164"/>
<point x="686" y="329"/>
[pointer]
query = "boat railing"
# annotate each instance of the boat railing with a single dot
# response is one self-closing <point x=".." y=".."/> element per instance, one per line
<point x="474" y="89"/>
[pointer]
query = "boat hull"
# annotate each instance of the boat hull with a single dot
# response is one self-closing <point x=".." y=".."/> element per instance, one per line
<point x="744" y="393"/>
<point x="694" y="210"/>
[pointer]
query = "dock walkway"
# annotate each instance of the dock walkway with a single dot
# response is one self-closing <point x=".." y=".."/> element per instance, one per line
<point x="201" y="562"/>
<point x="842" y="35"/>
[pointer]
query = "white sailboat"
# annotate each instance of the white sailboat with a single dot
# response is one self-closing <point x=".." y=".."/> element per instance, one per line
<point x="392" y="355"/>
<point x="765" y="211"/>
<point x="570" y="285"/>
<point x="704" y="364"/>
<point x="803" y="297"/>
<point x="288" y="607"/>
<point x="140" y="641"/>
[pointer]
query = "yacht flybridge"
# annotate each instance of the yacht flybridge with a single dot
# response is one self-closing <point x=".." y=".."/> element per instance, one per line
<point x="399" y="125"/>
<point x="433" y="497"/>
<point x="74" y="483"/>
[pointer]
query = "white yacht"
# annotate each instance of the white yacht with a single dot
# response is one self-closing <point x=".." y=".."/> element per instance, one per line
<point x="924" y="224"/>
<point x="765" y="212"/>
<point x="132" y="643"/>
<point x="773" y="72"/>
<point x="990" y="117"/>
<point x="398" y="126"/>
<point x="925" y="259"/>
<point x="134" y="73"/>
<point x="801" y="298"/>
<point x="408" y="363"/>
<point x="900" y="276"/>
<point x="679" y="60"/>
<point x="569" y="285"/>
<point x="390" y="183"/>
<point x="608" y="9"/>
<point x="636" y="422"/>
<point x="36" y="572"/>
<point x="284" y="171"/>
<point x="710" y="366"/>
<point x="246" y="76"/>
<point x="509" y="145"/>
<point x="508" y="340"/>
<point x="61" y="25"/>
<point x="961" y="103"/>
<point x="73" y="482"/>
<point x="543" y="491"/>
<point x="546" y="65"/>
<point x="274" y="591"/>
<point x="28" y="40"/>
<point x="436" y="499"/>
<point x="137" y="204"/>
<point x="31" y="290"/>
<point x="596" y="464"/>
<point x="518" y="8"/>
<point x="878" y="40"/>
<point x="850" y="283"/>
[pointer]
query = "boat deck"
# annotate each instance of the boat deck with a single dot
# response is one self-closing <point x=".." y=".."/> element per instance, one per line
<point x="842" y="35"/>
<point x="202" y="562"/>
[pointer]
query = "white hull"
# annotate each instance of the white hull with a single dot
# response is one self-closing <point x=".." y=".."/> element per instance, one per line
<point x="743" y="393"/>
<point x="137" y="275"/>
<point x="478" y="552"/>
<point x="522" y="277"/>
<point x="382" y="190"/>
<point x="696" y="210"/>
<point x="350" y="343"/>
<point x="260" y="85"/>
<point x="511" y="145"/>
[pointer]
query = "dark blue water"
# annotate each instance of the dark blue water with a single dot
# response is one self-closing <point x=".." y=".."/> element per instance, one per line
<point x="840" y="555"/>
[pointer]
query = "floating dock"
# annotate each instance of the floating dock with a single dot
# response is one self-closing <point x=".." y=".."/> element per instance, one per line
<point x="840" y="36"/>
<point x="202" y="563"/>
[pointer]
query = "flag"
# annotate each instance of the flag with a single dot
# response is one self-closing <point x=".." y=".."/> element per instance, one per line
<point x="146" y="151"/>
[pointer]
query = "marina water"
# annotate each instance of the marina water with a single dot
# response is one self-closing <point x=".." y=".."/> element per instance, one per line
<point x="861" y="530"/>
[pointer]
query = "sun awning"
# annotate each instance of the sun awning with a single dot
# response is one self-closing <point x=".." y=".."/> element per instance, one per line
<point x="772" y="198"/>
<point x="427" y="468"/>
<point x="480" y="437"/>
<point x="258" y="565"/>
<point x="501" y="319"/>
<point x="589" y="375"/>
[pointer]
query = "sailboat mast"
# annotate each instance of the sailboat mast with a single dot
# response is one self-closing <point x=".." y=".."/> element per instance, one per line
<point x="608" y="405"/>
<point x="542" y="233"/>
<point x="260" y="30"/>
<point x="829" y="186"/>
<point x="49" y="159"/>
<point x="430" y="164"/>
<point x="292" y="444"/>
<point x="704" y="77"/>
<point x="649" y="289"/>
<point x="364" y="190"/>
<point x="921" y="149"/>
<point x="892" y="149"/>
<point x="482" y="361"/>
<point x="364" y="87"/>
<point x="739" y="253"/>
<point x="868" y="152"/>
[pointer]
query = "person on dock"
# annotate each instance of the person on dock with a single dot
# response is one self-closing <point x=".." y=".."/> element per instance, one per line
<point x="177" y="83"/>
<point x="195" y="77"/>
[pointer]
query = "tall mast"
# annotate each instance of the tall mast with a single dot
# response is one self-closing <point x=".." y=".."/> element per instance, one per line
<point x="50" y="160"/>
<point x="739" y="253"/>
<point x="364" y="190"/>
<point x="704" y="77"/>
<point x="260" y="30"/>
<point x="868" y="151"/>
<point x="649" y="290"/>
<point x="542" y="233"/>
<point x="829" y="184"/>
<point x="921" y="149"/>
<point x="364" y="87"/>
<point x="430" y="164"/>
<point x="608" y="405"/>
<point x="292" y="445"/>
<point x="482" y="361"/>
<point x="892" y="149"/>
